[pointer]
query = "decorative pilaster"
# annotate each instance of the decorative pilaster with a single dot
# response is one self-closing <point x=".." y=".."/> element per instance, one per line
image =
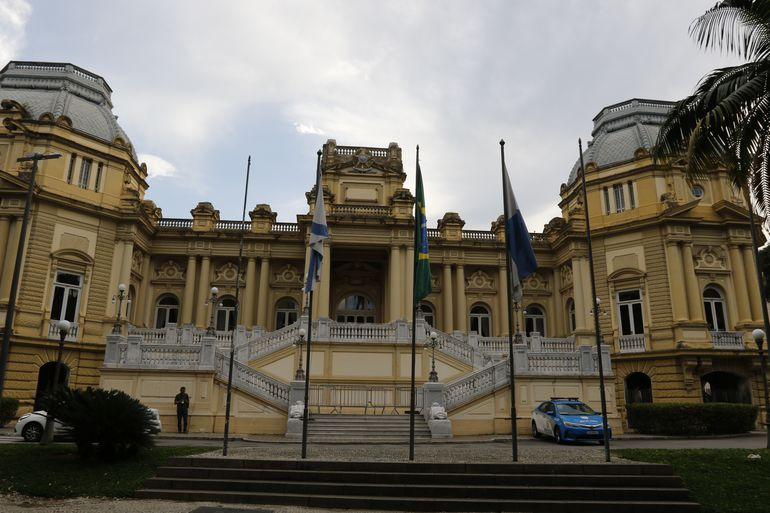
<point x="446" y="293"/>
<point x="752" y="286"/>
<point x="204" y="283"/>
<point x="264" y="287"/>
<point x="694" y="296"/>
<point x="248" y="294"/>
<point x="502" y="301"/>
<point x="739" y="282"/>
<point x="461" y="314"/>
<point x="10" y="259"/>
<point x="394" y="282"/>
<point x="676" y="274"/>
<point x="324" y="286"/>
<point x="188" y="296"/>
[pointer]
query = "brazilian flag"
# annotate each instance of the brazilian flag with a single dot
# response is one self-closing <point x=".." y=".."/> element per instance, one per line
<point x="422" y="282"/>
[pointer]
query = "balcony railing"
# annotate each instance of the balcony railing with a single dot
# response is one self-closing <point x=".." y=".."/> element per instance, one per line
<point x="53" y="331"/>
<point x="729" y="340"/>
<point x="632" y="343"/>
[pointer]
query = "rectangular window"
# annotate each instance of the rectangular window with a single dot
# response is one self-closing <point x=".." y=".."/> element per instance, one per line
<point x="71" y="169"/>
<point x="85" y="174"/>
<point x="98" y="180"/>
<point x="607" y="208"/>
<point x="631" y="195"/>
<point x="630" y="309"/>
<point x="620" y="202"/>
<point x="66" y="295"/>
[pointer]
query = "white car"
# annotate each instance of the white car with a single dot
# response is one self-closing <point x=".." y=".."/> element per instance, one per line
<point x="31" y="426"/>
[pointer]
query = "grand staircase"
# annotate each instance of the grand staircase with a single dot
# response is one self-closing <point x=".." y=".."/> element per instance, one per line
<point x="395" y="486"/>
<point x="330" y="428"/>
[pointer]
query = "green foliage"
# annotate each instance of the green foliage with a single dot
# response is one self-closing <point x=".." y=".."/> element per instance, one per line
<point x="721" y="480"/>
<point x="8" y="408"/>
<point x="110" y="422"/>
<point x="692" y="419"/>
<point x="56" y="471"/>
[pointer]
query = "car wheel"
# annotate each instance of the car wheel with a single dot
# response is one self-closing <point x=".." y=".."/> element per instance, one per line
<point x="557" y="435"/>
<point x="32" y="432"/>
<point x="535" y="432"/>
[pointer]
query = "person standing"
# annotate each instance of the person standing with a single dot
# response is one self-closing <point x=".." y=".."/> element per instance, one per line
<point x="182" y="402"/>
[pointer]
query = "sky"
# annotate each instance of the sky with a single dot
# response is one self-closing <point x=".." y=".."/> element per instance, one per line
<point x="200" y="86"/>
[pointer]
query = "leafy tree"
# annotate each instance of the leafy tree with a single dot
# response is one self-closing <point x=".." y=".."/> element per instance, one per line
<point x="726" y="121"/>
<point x="109" y="422"/>
<point x="8" y="408"/>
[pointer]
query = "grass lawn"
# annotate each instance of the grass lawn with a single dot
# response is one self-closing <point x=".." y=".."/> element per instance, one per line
<point x="56" y="471"/>
<point x="721" y="480"/>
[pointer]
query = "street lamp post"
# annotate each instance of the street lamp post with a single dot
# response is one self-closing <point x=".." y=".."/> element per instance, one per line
<point x="433" y="376"/>
<point x="120" y="297"/>
<point x="64" y="328"/>
<point x="300" y="374"/>
<point x="759" y="338"/>
<point x="210" y="331"/>
<point x="17" y="265"/>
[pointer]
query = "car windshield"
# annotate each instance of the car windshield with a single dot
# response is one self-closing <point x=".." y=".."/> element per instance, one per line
<point x="575" y="409"/>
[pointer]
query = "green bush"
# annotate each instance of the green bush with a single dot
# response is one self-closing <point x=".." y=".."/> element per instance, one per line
<point x="108" y="423"/>
<point x="692" y="419"/>
<point x="8" y="408"/>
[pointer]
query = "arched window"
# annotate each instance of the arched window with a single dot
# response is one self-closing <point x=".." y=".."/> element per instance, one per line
<point x="534" y="320"/>
<point x="45" y="380"/>
<point x="725" y="387"/>
<point x="355" y="308"/>
<point x="480" y="320"/>
<point x="571" y="315"/>
<point x="714" y="305"/>
<point x="166" y="311"/>
<point x="428" y="314"/>
<point x="225" y="314"/>
<point x="286" y="312"/>
<point x="638" y="388"/>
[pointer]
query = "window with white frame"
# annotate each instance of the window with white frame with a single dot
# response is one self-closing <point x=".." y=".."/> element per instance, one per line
<point x="630" y="309"/>
<point x="66" y="296"/>
<point x="286" y="312"/>
<point x="355" y="308"/>
<point x="714" y="305"/>
<point x="534" y="320"/>
<point x="631" y="195"/>
<point x="428" y="314"/>
<point x="85" y="173"/>
<point x="607" y="207"/>
<point x="620" y="200"/>
<point x="98" y="179"/>
<point x="571" y="315"/>
<point x="480" y="320"/>
<point x="166" y="311"/>
<point x="71" y="168"/>
<point x="225" y="314"/>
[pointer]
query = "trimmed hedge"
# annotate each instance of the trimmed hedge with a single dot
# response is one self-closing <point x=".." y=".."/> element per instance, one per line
<point x="8" y="408"/>
<point x="692" y="419"/>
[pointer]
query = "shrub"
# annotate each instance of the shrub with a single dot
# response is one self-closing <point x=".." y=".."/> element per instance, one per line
<point x="110" y="422"/>
<point x="8" y="408"/>
<point x="692" y="419"/>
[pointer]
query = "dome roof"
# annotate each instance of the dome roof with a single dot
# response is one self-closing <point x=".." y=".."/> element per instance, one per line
<point x="622" y="129"/>
<point x="61" y="89"/>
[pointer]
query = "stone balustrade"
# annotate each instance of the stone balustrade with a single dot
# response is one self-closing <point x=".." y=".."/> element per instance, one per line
<point x="728" y="340"/>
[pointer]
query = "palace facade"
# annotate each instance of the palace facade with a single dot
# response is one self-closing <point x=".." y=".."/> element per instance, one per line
<point x="675" y="277"/>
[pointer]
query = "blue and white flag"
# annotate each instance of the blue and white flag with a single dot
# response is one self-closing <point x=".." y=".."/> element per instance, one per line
<point x="523" y="262"/>
<point x="319" y="232"/>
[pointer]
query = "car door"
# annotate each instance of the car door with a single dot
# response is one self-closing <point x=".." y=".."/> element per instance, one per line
<point x="549" y="420"/>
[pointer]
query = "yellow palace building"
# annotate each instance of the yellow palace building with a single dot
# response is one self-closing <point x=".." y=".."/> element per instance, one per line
<point x="675" y="278"/>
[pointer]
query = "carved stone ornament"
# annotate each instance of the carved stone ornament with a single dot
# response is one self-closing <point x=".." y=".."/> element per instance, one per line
<point x="479" y="281"/>
<point x="227" y="273"/>
<point x="169" y="271"/>
<point x="710" y="257"/>
<point x="566" y="275"/>
<point x="136" y="262"/>
<point x="535" y="282"/>
<point x="287" y="276"/>
<point x="362" y="160"/>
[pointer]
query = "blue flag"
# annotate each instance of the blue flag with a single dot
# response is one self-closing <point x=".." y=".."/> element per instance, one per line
<point x="319" y="232"/>
<point x="523" y="262"/>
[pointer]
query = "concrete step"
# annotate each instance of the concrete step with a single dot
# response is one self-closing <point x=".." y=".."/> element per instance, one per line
<point x="365" y="428"/>
<point x="410" y="486"/>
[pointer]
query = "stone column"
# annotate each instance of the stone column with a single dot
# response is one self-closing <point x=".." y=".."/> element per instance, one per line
<point x="739" y="282"/>
<point x="5" y="226"/>
<point x="751" y="283"/>
<point x="559" y="325"/>
<point x="394" y="281"/>
<point x="264" y="287"/>
<point x="461" y="313"/>
<point x="324" y="286"/>
<point x="676" y="274"/>
<point x="694" y="296"/>
<point x="188" y="296"/>
<point x="203" y="294"/>
<point x="143" y="295"/>
<point x="10" y="259"/>
<point x="502" y="300"/>
<point x="446" y="292"/>
<point x="578" y="286"/>
<point x="408" y="282"/>
<point x="247" y="312"/>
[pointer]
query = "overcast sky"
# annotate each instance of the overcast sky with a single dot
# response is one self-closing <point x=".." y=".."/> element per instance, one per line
<point x="200" y="86"/>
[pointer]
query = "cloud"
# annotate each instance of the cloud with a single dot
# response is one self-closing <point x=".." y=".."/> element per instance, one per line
<point x="157" y="167"/>
<point x="13" y="20"/>
<point x="308" y="129"/>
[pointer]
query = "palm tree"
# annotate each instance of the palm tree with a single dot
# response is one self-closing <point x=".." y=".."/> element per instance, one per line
<point x="725" y="123"/>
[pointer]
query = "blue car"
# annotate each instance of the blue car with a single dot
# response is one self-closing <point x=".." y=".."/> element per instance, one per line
<point x="567" y="419"/>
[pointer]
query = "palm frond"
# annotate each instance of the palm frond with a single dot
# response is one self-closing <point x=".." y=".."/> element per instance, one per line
<point x="741" y="27"/>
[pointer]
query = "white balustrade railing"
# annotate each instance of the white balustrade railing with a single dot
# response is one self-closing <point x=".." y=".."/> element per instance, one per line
<point x="53" y="331"/>
<point x="164" y="356"/>
<point x="728" y="340"/>
<point x="557" y="345"/>
<point x="273" y="341"/>
<point x="253" y="381"/>
<point x="347" y="332"/>
<point x="149" y="335"/>
<point x="553" y="363"/>
<point x="476" y="384"/>
<point x="632" y="343"/>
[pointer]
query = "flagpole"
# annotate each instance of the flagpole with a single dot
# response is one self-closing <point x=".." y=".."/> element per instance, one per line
<point x="237" y="312"/>
<point x="311" y="276"/>
<point x="597" y="328"/>
<point x="509" y="279"/>
<point x="412" y="394"/>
